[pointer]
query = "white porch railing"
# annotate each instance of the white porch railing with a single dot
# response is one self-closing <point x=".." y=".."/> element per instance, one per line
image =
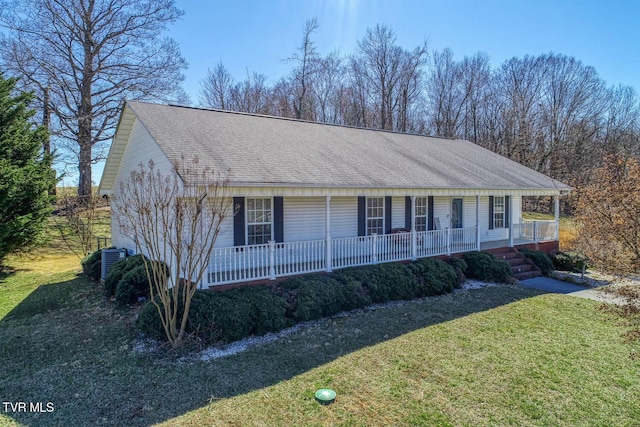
<point x="239" y="264"/>
<point x="534" y="231"/>
<point x="299" y="257"/>
<point x="272" y="260"/>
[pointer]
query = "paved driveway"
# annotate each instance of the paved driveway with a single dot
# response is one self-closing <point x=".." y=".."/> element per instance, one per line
<point x="559" y="287"/>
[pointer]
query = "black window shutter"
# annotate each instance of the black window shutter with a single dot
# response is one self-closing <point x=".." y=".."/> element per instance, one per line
<point x="387" y="214"/>
<point x="490" y="212"/>
<point x="278" y="219"/>
<point x="362" y="216"/>
<point x="238" y="222"/>
<point x="430" y="212"/>
<point x="507" y="209"/>
<point x="407" y="212"/>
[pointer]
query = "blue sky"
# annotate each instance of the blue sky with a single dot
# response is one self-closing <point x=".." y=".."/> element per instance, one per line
<point x="259" y="35"/>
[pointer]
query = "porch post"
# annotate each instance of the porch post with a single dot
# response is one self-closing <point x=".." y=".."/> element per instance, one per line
<point x="557" y="216"/>
<point x="414" y="235"/>
<point x="374" y="248"/>
<point x="511" y="221"/>
<point x="327" y="225"/>
<point x="448" y="240"/>
<point x="272" y="259"/>
<point x="478" y="222"/>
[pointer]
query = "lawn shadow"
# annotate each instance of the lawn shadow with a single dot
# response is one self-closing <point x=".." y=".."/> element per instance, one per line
<point x="67" y="345"/>
<point x="6" y="272"/>
<point x="47" y="299"/>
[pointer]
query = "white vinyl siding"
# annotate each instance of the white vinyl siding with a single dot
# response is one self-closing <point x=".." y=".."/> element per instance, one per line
<point x="344" y="217"/>
<point x="225" y="237"/>
<point x="516" y="211"/>
<point x="469" y="211"/>
<point x="487" y="235"/>
<point x="441" y="210"/>
<point x="140" y="148"/>
<point x="304" y="218"/>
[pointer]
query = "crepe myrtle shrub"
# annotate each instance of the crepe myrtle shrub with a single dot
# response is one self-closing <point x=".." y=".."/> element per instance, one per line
<point x="434" y="277"/>
<point x="224" y="316"/>
<point x="540" y="259"/>
<point x="149" y="322"/>
<point x="174" y="216"/>
<point x="200" y="322"/>
<point x="487" y="267"/>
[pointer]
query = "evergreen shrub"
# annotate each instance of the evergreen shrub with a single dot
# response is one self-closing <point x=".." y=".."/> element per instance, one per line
<point x="540" y="259"/>
<point x="569" y="261"/>
<point x="487" y="267"/>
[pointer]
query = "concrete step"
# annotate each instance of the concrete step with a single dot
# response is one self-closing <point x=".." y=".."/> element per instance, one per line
<point x="522" y="268"/>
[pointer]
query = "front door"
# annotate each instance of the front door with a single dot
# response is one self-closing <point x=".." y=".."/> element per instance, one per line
<point x="456" y="213"/>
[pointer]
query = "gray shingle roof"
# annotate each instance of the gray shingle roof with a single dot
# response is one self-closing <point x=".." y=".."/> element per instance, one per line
<point x="262" y="150"/>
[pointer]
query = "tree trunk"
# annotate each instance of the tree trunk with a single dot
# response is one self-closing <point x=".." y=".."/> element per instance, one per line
<point x="46" y="122"/>
<point x="85" y="116"/>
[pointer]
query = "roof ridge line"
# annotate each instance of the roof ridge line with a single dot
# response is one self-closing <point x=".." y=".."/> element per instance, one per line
<point x="291" y="119"/>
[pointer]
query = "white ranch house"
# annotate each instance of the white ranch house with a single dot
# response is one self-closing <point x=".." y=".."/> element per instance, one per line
<point x="318" y="197"/>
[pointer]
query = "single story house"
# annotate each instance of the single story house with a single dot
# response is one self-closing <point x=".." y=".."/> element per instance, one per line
<point x="318" y="197"/>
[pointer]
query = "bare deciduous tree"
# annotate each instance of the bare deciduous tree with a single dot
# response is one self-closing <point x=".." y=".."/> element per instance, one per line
<point x="607" y="215"/>
<point x="383" y="66"/>
<point x="308" y="63"/>
<point x="216" y="88"/>
<point x="252" y="95"/>
<point x="326" y="87"/>
<point x="81" y="213"/>
<point x="174" y="219"/>
<point x="87" y="55"/>
<point x="447" y="96"/>
<point x="549" y="112"/>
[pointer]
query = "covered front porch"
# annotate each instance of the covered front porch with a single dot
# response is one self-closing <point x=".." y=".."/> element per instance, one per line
<point x="427" y="236"/>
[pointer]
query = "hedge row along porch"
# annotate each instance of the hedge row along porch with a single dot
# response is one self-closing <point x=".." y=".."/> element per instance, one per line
<point x="317" y="197"/>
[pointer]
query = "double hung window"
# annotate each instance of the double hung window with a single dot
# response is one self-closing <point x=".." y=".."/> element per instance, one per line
<point x="498" y="212"/>
<point x="259" y="221"/>
<point x="375" y="215"/>
<point x="421" y="214"/>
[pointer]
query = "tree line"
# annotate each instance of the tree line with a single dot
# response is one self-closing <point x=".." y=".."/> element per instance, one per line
<point x="549" y="112"/>
<point x="81" y="58"/>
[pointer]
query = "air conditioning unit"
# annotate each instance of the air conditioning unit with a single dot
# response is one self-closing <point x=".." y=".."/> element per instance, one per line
<point x="110" y="257"/>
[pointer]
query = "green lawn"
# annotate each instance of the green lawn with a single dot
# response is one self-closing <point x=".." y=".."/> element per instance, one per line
<point x="496" y="356"/>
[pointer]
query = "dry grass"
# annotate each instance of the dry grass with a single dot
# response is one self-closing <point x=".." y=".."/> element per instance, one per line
<point x="568" y="232"/>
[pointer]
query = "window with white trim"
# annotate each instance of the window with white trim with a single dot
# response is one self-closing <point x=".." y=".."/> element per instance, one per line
<point x="421" y="214"/>
<point x="375" y="215"/>
<point x="259" y="221"/>
<point x="498" y="211"/>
